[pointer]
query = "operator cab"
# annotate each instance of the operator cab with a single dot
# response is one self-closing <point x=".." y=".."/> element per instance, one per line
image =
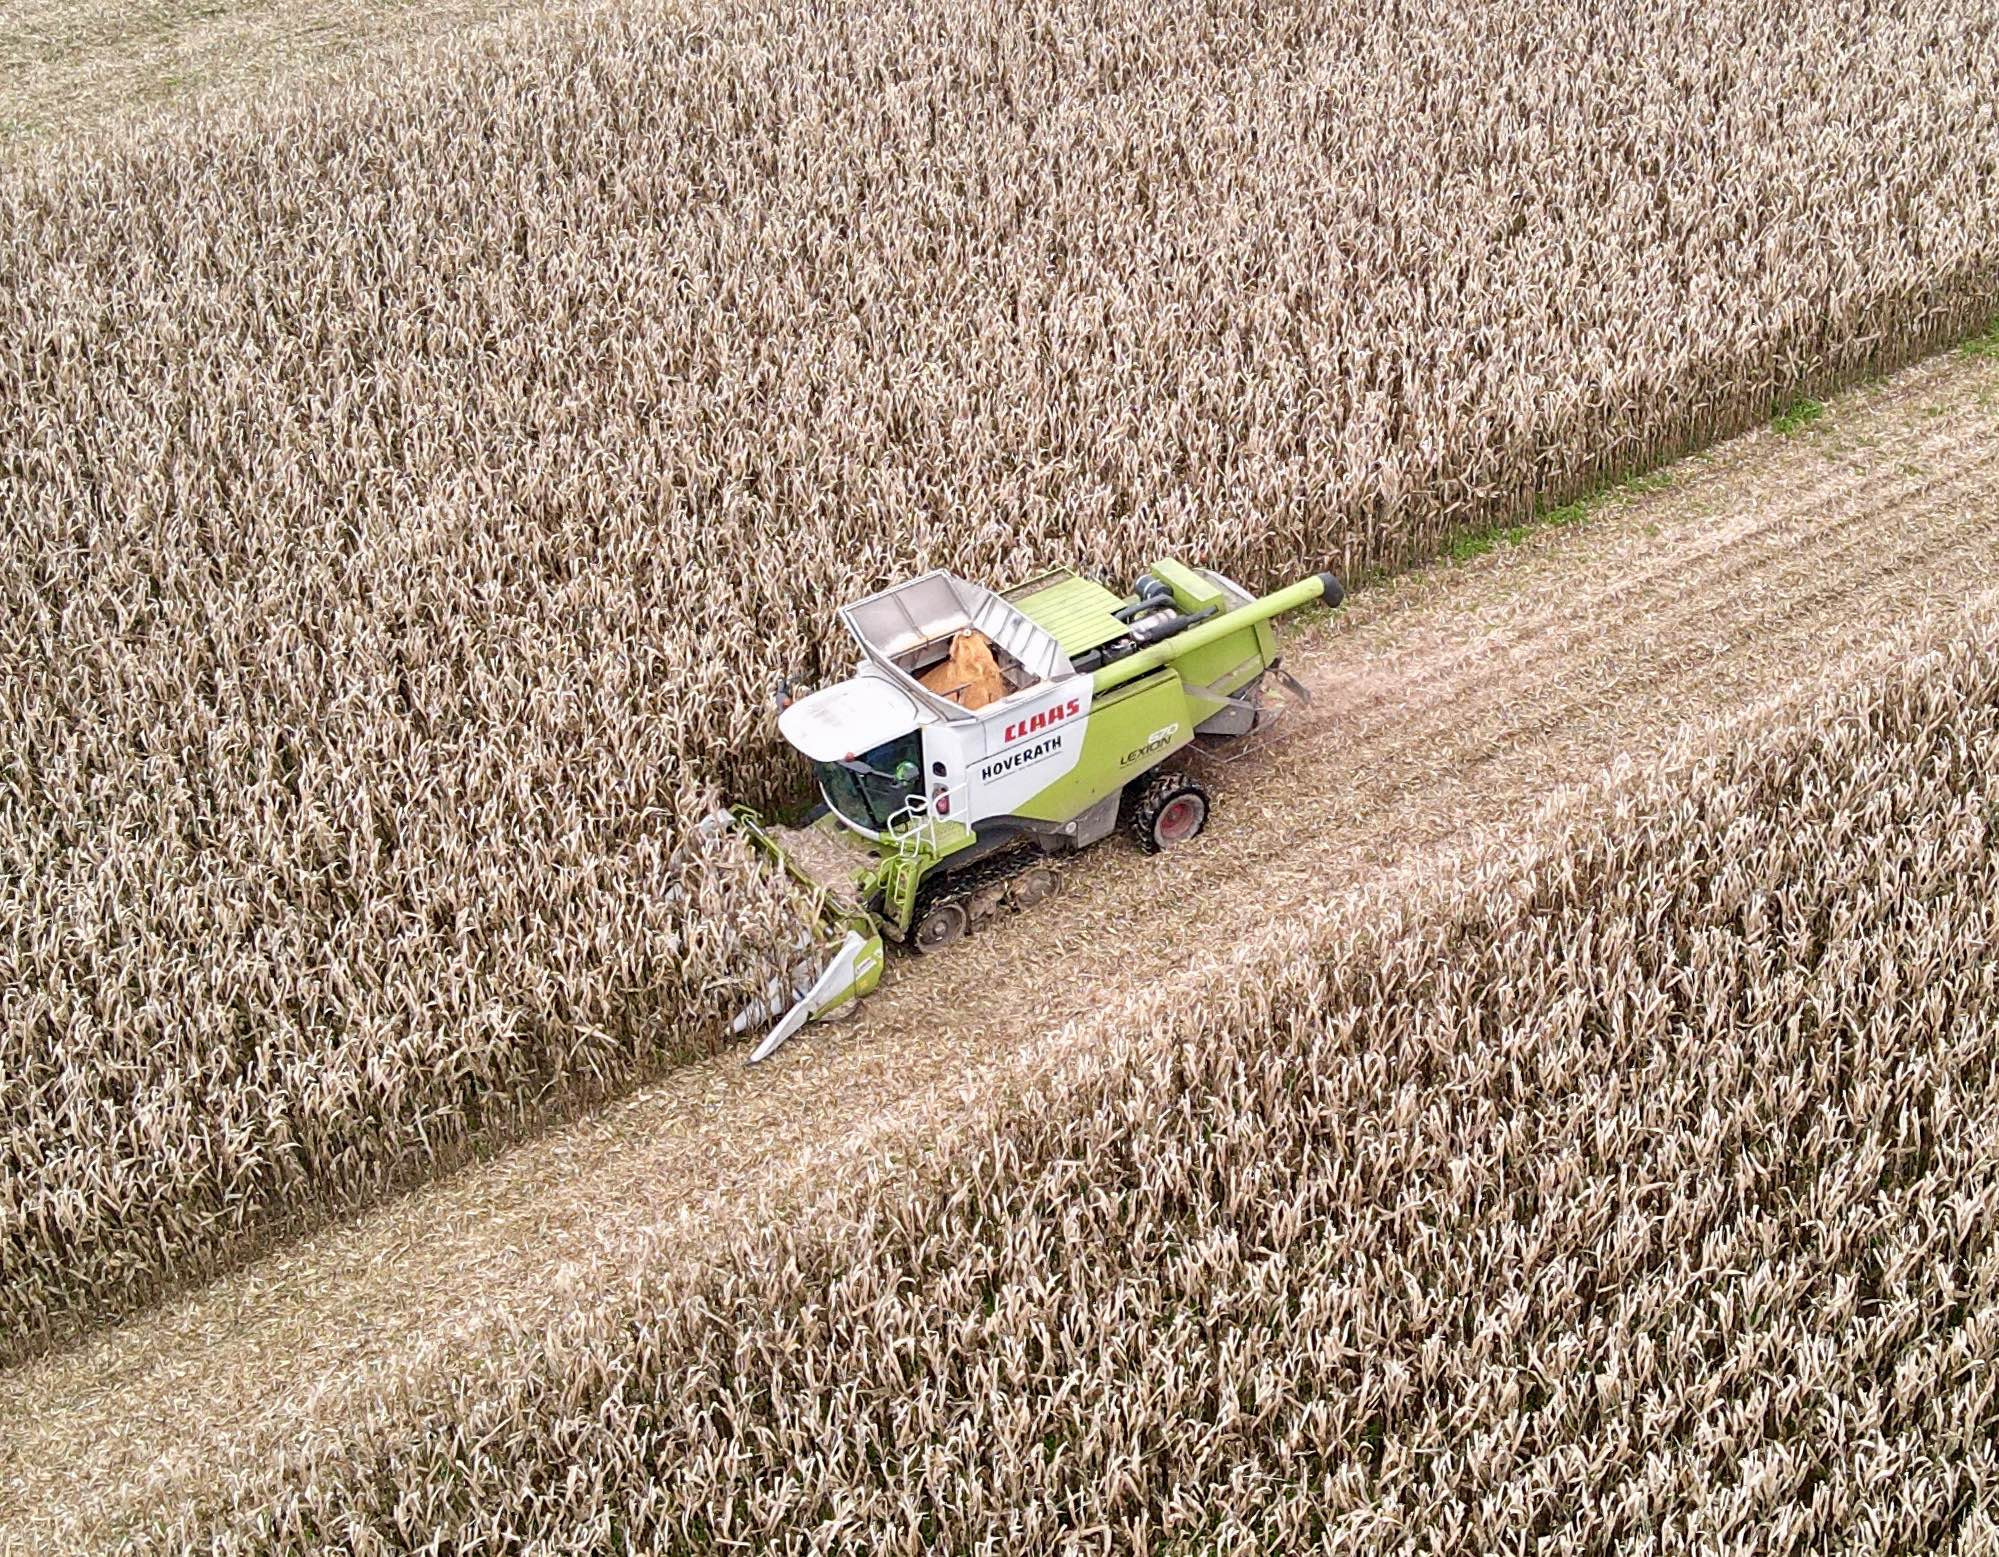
<point x="864" y="739"/>
<point x="945" y="664"/>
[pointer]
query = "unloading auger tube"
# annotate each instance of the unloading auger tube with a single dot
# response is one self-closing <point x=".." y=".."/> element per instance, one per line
<point x="981" y="732"/>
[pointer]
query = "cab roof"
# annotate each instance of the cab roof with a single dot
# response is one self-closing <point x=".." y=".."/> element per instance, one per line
<point x="849" y="718"/>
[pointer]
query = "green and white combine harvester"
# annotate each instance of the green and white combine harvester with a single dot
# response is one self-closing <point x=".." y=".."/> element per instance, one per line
<point x="937" y="814"/>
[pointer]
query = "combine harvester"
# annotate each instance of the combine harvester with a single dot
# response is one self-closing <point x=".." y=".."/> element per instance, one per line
<point x="982" y="733"/>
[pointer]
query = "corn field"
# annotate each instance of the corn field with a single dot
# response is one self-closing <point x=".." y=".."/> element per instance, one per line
<point x="412" y="491"/>
<point x="1639" y="1188"/>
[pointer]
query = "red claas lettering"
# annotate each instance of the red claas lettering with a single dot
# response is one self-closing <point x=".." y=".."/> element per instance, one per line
<point x="1041" y="721"/>
<point x="1036" y="722"/>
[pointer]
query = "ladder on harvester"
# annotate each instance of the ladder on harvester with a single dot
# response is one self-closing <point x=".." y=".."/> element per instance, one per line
<point x="921" y="838"/>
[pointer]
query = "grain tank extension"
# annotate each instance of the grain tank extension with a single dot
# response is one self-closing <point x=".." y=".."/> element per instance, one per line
<point x="982" y="734"/>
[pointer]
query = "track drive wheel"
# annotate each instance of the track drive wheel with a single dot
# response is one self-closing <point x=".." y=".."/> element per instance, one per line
<point x="1166" y="809"/>
<point x="1032" y="886"/>
<point x="940" y="925"/>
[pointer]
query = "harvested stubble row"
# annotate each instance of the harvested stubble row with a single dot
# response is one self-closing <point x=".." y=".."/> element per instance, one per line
<point x="411" y="493"/>
<point x="1642" y="1185"/>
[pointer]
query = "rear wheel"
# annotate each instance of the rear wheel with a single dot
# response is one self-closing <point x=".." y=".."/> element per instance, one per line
<point x="943" y="924"/>
<point x="1167" y="809"/>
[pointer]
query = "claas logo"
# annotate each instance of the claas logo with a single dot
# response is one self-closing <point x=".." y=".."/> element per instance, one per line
<point x="1035" y="723"/>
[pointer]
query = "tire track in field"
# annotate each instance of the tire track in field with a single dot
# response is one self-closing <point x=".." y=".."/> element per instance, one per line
<point x="1447" y="702"/>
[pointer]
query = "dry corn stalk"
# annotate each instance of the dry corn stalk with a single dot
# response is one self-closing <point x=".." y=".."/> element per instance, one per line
<point x="411" y="493"/>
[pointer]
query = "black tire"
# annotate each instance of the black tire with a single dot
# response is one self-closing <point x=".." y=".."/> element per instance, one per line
<point x="1164" y="810"/>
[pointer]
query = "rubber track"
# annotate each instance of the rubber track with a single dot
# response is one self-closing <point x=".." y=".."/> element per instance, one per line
<point x="959" y="885"/>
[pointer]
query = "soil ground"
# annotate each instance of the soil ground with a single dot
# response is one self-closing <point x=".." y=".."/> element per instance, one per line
<point x="1447" y="703"/>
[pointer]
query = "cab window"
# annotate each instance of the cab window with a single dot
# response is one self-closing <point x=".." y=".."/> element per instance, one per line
<point x="874" y="786"/>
